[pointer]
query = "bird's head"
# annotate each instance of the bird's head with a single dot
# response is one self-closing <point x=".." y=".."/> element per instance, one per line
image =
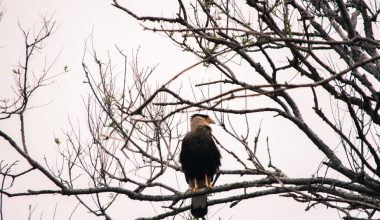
<point x="200" y="119"/>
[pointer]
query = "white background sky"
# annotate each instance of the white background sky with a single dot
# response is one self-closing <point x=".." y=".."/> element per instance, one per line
<point x="63" y="99"/>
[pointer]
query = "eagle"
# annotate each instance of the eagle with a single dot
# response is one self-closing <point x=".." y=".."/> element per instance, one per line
<point x="200" y="159"/>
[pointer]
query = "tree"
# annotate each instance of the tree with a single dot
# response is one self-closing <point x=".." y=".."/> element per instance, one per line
<point x="326" y="79"/>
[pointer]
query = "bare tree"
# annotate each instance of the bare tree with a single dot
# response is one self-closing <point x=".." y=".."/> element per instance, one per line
<point x="329" y="51"/>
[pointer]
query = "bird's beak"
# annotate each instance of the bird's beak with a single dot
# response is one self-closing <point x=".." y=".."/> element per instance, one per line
<point x="210" y="121"/>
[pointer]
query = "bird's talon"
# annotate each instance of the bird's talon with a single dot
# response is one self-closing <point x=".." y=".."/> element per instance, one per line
<point x="195" y="185"/>
<point x="194" y="189"/>
<point x="207" y="184"/>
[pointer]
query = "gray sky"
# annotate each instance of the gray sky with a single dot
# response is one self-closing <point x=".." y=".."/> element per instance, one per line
<point x="63" y="100"/>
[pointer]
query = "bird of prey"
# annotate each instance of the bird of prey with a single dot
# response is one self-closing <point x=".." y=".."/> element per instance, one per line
<point x="200" y="159"/>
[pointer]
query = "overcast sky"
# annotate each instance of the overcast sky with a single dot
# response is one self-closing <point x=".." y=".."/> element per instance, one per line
<point x="63" y="99"/>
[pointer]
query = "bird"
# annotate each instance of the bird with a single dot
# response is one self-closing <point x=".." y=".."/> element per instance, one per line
<point x="200" y="160"/>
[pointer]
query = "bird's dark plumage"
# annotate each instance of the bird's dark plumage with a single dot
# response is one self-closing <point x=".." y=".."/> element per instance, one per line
<point x="199" y="154"/>
<point x="200" y="159"/>
<point x="200" y="115"/>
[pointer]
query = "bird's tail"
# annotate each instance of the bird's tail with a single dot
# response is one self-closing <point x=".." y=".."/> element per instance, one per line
<point x="199" y="206"/>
